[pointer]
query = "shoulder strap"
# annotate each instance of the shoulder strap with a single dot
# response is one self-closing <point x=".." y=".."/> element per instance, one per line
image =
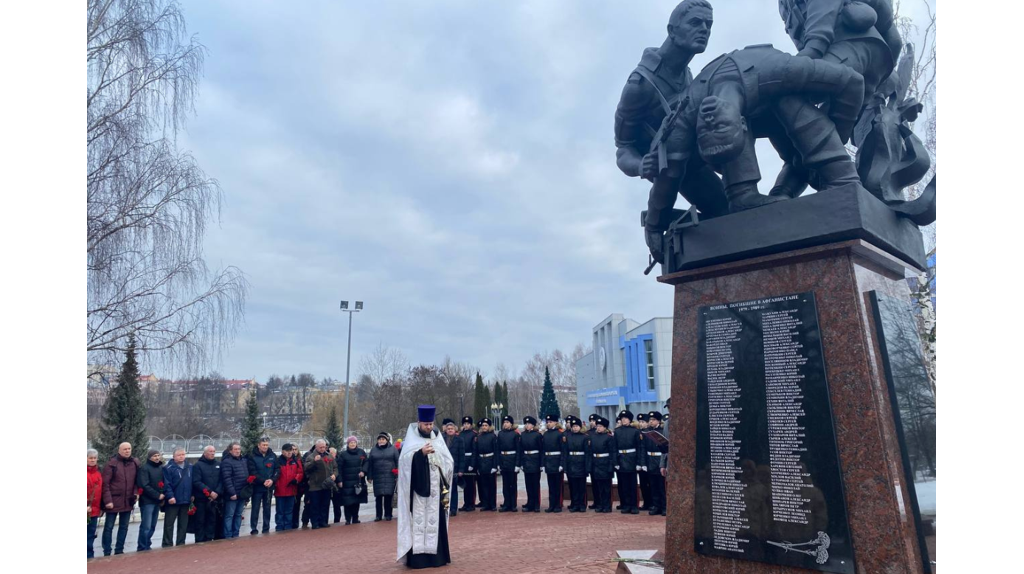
<point x="650" y="80"/>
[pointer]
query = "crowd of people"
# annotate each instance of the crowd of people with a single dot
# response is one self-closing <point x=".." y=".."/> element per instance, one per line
<point x="207" y="497"/>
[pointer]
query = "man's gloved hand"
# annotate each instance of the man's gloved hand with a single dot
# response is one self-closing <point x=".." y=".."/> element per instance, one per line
<point x="494" y="471"/>
<point x="649" y="167"/>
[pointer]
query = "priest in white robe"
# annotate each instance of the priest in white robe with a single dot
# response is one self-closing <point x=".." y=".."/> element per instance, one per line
<point x="425" y="471"/>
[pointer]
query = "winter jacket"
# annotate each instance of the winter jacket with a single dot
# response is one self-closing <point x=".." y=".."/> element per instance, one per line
<point x="468" y="462"/>
<point x="485" y="447"/>
<point x="234" y="475"/>
<point x="350" y="464"/>
<point x="289" y="476"/>
<point x="508" y="451"/>
<point x="178" y="483"/>
<point x="150" y="479"/>
<point x="631" y="455"/>
<point x="206" y="478"/>
<point x="94" y="490"/>
<point x="382" y="463"/>
<point x="602" y="450"/>
<point x="265" y="465"/>
<point x="319" y="471"/>
<point x="578" y="458"/>
<point x="554" y="451"/>
<point x="531" y="451"/>
<point x="457" y="448"/>
<point x="119" y="484"/>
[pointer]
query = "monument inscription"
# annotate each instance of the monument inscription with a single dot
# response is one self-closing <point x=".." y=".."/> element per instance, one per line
<point x="768" y="482"/>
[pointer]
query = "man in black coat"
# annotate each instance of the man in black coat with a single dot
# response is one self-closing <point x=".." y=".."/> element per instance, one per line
<point x="656" y="449"/>
<point x="631" y="460"/>
<point x="602" y="450"/>
<point x="508" y="464"/>
<point x="645" y="485"/>
<point x="207" y="492"/>
<point x="486" y="447"/>
<point x="468" y="465"/>
<point x="267" y="470"/>
<point x="531" y="446"/>
<point x="592" y="421"/>
<point x="577" y="464"/>
<point x="458" y="450"/>
<point x="554" y="462"/>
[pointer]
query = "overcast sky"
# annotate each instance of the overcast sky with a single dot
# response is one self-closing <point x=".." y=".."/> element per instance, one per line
<point x="450" y="163"/>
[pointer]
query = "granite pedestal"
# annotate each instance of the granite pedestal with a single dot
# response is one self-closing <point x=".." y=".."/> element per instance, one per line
<point x="840" y="275"/>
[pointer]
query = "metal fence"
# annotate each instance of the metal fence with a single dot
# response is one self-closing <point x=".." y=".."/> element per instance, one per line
<point x="194" y="446"/>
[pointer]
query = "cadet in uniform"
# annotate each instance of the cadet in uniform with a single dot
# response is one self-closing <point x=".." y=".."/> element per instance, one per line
<point x="590" y="432"/>
<point x="645" y="485"/>
<point x="602" y="449"/>
<point x="631" y="460"/>
<point x="531" y="460"/>
<point x="656" y="453"/>
<point x="487" y="469"/>
<point x="468" y="465"/>
<point x="554" y="462"/>
<point x="508" y="464"/>
<point x="577" y="464"/>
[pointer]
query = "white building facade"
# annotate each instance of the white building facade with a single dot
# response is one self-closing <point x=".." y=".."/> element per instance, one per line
<point x="629" y="368"/>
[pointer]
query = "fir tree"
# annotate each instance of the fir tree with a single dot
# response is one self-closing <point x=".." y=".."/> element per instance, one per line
<point x="332" y="434"/>
<point x="124" y="417"/>
<point x="548" y="402"/>
<point x="252" y="425"/>
<point x="481" y="399"/>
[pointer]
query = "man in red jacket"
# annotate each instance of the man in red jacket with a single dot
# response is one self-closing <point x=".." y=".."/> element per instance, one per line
<point x="93" y="492"/>
<point x="119" y="496"/>
<point x="287" y="487"/>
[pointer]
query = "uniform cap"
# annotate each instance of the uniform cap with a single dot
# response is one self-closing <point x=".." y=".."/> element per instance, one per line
<point x="551" y="419"/>
<point x="642" y="417"/>
<point x="602" y="421"/>
<point x="654" y="415"/>
<point x="508" y="419"/>
<point x="528" y="420"/>
<point x="483" y="421"/>
<point x="466" y="420"/>
<point x="625" y="414"/>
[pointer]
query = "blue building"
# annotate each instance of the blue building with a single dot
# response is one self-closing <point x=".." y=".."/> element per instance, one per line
<point x="630" y="367"/>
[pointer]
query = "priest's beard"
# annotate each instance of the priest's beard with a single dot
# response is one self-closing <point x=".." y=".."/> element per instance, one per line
<point x="423" y="433"/>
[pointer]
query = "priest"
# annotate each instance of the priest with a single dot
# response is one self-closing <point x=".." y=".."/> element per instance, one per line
<point x="425" y="471"/>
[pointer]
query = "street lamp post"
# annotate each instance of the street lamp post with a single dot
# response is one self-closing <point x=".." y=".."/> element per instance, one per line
<point x="348" y="358"/>
<point x="264" y="421"/>
<point x="496" y="412"/>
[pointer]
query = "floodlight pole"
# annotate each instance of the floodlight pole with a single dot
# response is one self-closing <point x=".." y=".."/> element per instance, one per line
<point x="348" y="359"/>
<point x="348" y="363"/>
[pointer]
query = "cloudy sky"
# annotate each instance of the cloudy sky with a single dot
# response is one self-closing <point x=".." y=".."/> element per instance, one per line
<point x="450" y="163"/>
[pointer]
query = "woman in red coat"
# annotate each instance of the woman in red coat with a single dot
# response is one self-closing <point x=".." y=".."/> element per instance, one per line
<point x="94" y="493"/>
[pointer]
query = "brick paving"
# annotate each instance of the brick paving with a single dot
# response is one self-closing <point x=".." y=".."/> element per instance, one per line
<point x="511" y="543"/>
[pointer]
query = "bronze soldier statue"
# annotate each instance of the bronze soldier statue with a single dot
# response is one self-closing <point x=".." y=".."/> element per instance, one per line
<point x="651" y="91"/>
<point x="759" y="92"/>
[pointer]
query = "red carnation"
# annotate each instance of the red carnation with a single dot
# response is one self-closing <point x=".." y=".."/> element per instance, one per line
<point x="206" y="492"/>
<point x="394" y="471"/>
<point x="160" y="484"/>
<point x="191" y="509"/>
<point x="250" y="479"/>
<point x="140" y="491"/>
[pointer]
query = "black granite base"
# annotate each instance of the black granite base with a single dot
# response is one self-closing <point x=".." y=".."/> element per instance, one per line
<point x="840" y="214"/>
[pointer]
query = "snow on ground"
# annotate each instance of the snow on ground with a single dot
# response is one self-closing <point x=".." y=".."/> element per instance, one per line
<point x="926" y="497"/>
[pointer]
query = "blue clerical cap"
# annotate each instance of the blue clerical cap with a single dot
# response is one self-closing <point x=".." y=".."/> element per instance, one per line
<point x="427" y="413"/>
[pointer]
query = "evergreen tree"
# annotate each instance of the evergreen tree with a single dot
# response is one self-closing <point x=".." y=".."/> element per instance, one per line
<point x="124" y="417"/>
<point x="252" y="425"/>
<point x="333" y="431"/>
<point x="548" y="402"/>
<point x="481" y="399"/>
